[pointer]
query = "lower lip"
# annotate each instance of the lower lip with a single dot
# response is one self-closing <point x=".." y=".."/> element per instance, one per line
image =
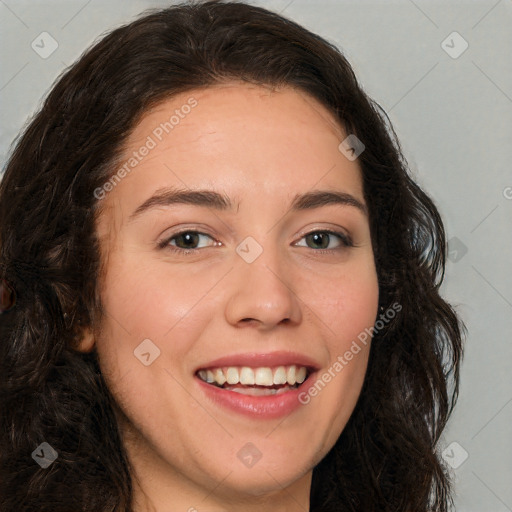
<point x="264" y="407"/>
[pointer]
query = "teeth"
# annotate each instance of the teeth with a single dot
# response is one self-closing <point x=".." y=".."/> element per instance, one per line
<point x="300" y="377"/>
<point x="261" y="391"/>
<point x="232" y="376"/>
<point x="263" y="376"/>
<point x="280" y="375"/>
<point x="290" y="375"/>
<point x="219" y="377"/>
<point x="247" y="376"/>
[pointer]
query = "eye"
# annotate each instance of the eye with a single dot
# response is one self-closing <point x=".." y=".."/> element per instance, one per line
<point x="185" y="241"/>
<point x="324" y="238"/>
<point x="188" y="241"/>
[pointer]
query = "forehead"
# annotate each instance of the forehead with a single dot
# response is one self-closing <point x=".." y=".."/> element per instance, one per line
<point x="240" y="139"/>
<point x="222" y="105"/>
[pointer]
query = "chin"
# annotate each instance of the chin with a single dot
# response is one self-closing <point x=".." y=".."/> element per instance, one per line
<point x="261" y="485"/>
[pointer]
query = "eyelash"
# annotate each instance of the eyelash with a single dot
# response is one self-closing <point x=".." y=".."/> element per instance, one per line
<point x="345" y="240"/>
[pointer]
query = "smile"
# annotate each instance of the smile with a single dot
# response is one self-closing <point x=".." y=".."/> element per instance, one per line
<point x="262" y="386"/>
<point x="259" y="381"/>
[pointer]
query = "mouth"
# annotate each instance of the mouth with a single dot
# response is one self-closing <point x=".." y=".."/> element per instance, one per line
<point x="262" y="386"/>
<point x="256" y="381"/>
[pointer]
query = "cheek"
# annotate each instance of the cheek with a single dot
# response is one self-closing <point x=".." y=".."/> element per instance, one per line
<point x="351" y="315"/>
<point x="346" y="301"/>
<point x="141" y="306"/>
<point x="347" y="307"/>
<point x="147" y="301"/>
<point x="356" y="307"/>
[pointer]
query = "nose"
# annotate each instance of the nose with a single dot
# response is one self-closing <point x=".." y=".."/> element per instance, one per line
<point x="262" y="294"/>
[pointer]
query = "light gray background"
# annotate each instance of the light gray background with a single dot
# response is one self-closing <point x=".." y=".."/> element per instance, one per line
<point x="454" y="119"/>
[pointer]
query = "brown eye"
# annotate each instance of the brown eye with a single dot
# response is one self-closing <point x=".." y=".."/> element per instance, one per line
<point x="185" y="241"/>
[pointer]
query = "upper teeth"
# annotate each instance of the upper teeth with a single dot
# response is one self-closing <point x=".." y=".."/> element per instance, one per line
<point x="247" y="376"/>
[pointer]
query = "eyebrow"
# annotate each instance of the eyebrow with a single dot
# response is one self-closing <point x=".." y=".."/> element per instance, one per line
<point x="209" y="199"/>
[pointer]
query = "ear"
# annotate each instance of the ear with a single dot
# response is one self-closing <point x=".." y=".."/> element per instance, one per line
<point x="86" y="342"/>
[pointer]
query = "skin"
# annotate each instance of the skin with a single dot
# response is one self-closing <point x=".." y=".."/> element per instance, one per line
<point x="256" y="146"/>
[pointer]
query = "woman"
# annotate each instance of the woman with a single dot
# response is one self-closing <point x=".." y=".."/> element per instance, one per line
<point x="220" y="284"/>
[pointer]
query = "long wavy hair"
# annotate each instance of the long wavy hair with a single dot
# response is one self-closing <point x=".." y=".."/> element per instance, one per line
<point x="387" y="457"/>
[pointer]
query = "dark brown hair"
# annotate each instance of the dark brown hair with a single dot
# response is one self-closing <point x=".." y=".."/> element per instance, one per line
<point x="387" y="457"/>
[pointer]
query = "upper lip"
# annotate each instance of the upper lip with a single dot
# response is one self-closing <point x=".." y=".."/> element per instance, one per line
<point x="259" y="359"/>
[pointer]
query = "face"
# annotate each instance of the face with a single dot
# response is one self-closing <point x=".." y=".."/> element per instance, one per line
<point x="261" y="283"/>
